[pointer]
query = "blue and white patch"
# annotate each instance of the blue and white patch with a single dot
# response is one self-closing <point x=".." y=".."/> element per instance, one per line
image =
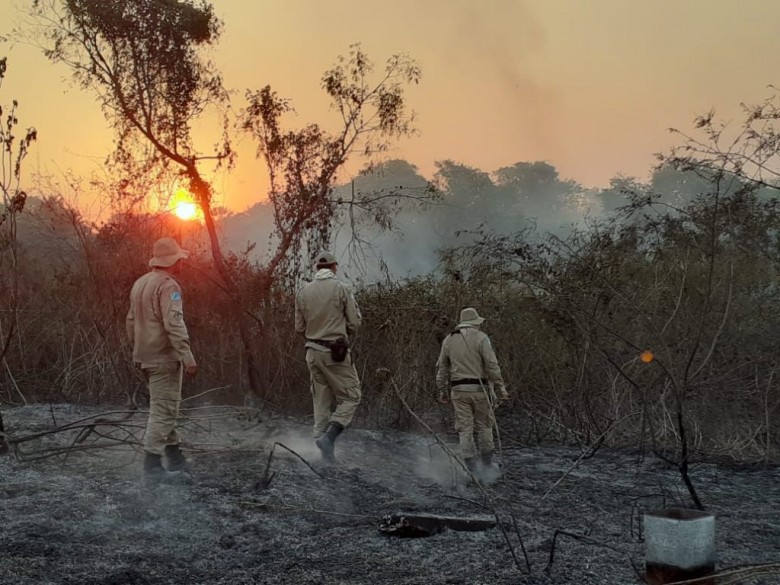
<point x="176" y="296"/>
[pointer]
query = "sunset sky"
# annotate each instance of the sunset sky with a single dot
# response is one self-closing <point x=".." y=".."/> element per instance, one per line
<point x="589" y="85"/>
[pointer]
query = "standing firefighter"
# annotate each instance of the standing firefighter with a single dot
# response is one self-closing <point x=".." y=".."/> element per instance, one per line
<point x="326" y="313"/>
<point x="468" y="364"/>
<point x="161" y="348"/>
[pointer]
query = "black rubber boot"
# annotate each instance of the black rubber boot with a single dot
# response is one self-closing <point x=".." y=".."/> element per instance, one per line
<point x="471" y="464"/>
<point x="153" y="466"/>
<point x="326" y="443"/>
<point x="175" y="459"/>
<point x="487" y="459"/>
<point x="154" y="472"/>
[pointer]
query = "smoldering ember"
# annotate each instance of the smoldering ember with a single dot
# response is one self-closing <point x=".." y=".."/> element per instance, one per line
<point x="445" y="306"/>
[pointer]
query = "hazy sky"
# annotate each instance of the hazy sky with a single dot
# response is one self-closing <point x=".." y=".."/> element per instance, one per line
<point x="588" y="85"/>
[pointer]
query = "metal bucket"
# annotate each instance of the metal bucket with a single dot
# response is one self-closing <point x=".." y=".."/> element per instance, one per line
<point x="679" y="545"/>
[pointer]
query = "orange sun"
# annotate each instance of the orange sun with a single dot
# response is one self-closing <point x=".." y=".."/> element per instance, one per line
<point x="184" y="207"/>
<point x="186" y="210"/>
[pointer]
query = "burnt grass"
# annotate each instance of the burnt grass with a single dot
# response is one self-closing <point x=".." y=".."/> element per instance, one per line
<point x="91" y="519"/>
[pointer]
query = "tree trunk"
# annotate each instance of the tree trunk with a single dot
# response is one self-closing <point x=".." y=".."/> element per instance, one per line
<point x="202" y="191"/>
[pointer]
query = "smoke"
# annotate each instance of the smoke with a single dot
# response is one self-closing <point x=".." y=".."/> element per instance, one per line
<point x="492" y="46"/>
<point x="504" y="38"/>
<point x="406" y="239"/>
<point x="433" y="463"/>
<point x="296" y="439"/>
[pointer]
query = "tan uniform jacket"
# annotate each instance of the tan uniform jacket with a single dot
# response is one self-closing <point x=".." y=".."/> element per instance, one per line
<point x="155" y="322"/>
<point x="467" y="354"/>
<point x="326" y="309"/>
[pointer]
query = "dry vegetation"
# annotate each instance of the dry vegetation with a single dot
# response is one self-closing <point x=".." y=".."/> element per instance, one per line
<point x="569" y="319"/>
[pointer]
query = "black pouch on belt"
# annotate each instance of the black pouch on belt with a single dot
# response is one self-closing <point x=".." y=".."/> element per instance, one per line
<point x="339" y="349"/>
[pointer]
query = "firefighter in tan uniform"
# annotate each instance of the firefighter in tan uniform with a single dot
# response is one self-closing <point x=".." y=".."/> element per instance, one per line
<point x="468" y="365"/>
<point x="326" y="313"/>
<point x="161" y="348"/>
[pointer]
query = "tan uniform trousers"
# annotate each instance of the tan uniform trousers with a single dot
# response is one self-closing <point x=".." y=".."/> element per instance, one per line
<point x="164" y="399"/>
<point x="473" y="412"/>
<point x="332" y="382"/>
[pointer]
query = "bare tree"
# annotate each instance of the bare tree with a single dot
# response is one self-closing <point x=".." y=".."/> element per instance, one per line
<point x="14" y="150"/>
<point x="303" y="164"/>
<point x="749" y="151"/>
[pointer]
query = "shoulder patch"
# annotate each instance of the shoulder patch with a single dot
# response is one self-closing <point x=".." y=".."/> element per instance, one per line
<point x="175" y="296"/>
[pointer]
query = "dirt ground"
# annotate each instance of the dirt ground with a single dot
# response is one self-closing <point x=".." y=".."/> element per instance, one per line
<point x="90" y="519"/>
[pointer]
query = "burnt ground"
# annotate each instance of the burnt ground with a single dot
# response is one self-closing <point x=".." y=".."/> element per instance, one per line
<point x="90" y="519"/>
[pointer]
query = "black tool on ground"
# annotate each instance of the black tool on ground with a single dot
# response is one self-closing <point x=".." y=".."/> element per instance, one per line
<point x="414" y="525"/>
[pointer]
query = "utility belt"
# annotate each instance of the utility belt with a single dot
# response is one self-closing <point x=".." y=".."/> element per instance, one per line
<point x="470" y="381"/>
<point x="339" y="348"/>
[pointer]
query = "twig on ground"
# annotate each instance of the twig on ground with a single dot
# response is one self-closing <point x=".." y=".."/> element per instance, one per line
<point x="305" y="510"/>
<point x="283" y="446"/>
<point x="236" y="409"/>
<point x="580" y="538"/>
<point x="522" y="545"/>
<point x="477" y="504"/>
<point x="13" y="381"/>
<point x="582" y="456"/>
<point x="218" y="388"/>
<point x="514" y="523"/>
<point x="119" y="423"/>
<point x="201" y="452"/>
<point x="266" y="480"/>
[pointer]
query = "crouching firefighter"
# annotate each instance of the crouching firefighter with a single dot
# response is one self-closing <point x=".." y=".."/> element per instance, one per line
<point x="326" y="313"/>
<point x="466" y="367"/>
<point x="161" y="348"/>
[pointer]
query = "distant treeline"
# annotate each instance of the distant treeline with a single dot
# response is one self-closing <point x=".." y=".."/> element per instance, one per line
<point x="526" y="196"/>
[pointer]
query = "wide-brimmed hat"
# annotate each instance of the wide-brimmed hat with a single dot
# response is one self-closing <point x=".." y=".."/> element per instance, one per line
<point x="470" y="316"/>
<point x="166" y="252"/>
<point x="326" y="259"/>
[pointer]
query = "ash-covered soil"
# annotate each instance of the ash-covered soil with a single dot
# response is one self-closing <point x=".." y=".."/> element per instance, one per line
<point x="90" y="519"/>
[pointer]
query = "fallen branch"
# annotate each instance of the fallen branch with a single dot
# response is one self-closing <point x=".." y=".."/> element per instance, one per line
<point x="78" y="424"/>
